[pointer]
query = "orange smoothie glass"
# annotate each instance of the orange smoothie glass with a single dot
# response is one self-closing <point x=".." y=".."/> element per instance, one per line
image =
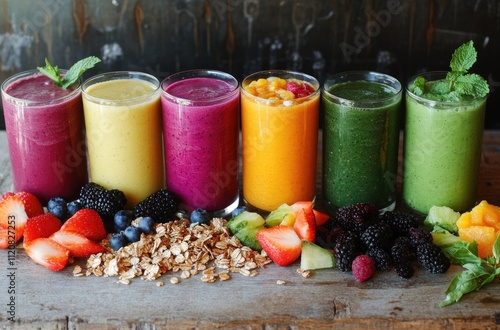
<point x="279" y="140"/>
<point x="124" y="133"/>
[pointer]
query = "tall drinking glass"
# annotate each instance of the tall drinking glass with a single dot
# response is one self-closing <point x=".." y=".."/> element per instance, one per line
<point x="442" y="150"/>
<point x="46" y="136"/>
<point x="201" y="136"/>
<point x="360" y="139"/>
<point x="123" y="121"/>
<point x="280" y="138"/>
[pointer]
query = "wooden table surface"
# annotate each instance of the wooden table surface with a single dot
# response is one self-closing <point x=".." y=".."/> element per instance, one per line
<point x="328" y="299"/>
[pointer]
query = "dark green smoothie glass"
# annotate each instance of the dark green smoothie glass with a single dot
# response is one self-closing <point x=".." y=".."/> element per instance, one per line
<point x="360" y="139"/>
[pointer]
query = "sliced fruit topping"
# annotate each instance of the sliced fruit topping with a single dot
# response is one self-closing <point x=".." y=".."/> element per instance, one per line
<point x="282" y="213"/>
<point x="88" y="223"/>
<point x="41" y="226"/>
<point x="32" y="204"/>
<point x="315" y="257"/>
<point x="320" y="217"/>
<point x="13" y="216"/>
<point x="6" y="195"/>
<point x="78" y="245"/>
<point x="4" y="238"/>
<point x="47" y="253"/>
<point x="281" y="244"/>
<point x="305" y="222"/>
<point x="245" y="226"/>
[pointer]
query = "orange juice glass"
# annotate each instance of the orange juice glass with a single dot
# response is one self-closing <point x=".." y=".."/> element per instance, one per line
<point x="279" y="143"/>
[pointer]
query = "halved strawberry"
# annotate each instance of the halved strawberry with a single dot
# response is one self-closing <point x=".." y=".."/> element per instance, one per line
<point x="6" y="195"/>
<point x="41" y="226"/>
<point x="320" y="217"/>
<point x="32" y="204"/>
<point x="78" y="245"/>
<point x="13" y="216"/>
<point x="305" y="222"/>
<point x="47" y="253"/>
<point x="4" y="238"/>
<point x="88" y="223"/>
<point x="281" y="244"/>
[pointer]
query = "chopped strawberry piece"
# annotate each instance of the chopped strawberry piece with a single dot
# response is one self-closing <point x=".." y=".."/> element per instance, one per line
<point x="305" y="222"/>
<point x="320" y="217"/>
<point x="78" y="245"/>
<point x="32" y="204"/>
<point x="281" y="244"/>
<point x="13" y="216"/>
<point x="5" y="196"/>
<point x="4" y="238"/>
<point x="41" y="226"/>
<point x="88" y="223"/>
<point x="47" y="253"/>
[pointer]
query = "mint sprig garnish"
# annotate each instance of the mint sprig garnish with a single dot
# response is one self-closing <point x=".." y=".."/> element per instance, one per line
<point x="478" y="273"/>
<point x="458" y="82"/>
<point x="72" y="75"/>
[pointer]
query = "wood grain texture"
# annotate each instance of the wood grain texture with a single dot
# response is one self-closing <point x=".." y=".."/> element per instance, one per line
<point x="330" y="299"/>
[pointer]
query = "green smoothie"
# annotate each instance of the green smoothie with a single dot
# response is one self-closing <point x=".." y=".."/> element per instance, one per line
<point x="360" y="140"/>
<point x="442" y="151"/>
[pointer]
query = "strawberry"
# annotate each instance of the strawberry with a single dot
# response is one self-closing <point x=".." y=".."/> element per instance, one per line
<point x="86" y="222"/>
<point x="4" y="238"/>
<point x="320" y="217"/>
<point x="41" y="226"/>
<point x="13" y="216"/>
<point x="78" y="245"/>
<point x="47" y="253"/>
<point x="281" y="244"/>
<point x="305" y="222"/>
<point x="5" y="196"/>
<point x="32" y="205"/>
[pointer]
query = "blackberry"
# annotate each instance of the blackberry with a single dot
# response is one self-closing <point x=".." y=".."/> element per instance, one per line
<point x="381" y="257"/>
<point x="419" y="236"/>
<point x="105" y="202"/>
<point x="431" y="257"/>
<point x="357" y="217"/>
<point x="400" y="222"/>
<point x="402" y="251"/>
<point x="346" y="250"/>
<point x="377" y="235"/>
<point x="405" y="270"/>
<point x="160" y="205"/>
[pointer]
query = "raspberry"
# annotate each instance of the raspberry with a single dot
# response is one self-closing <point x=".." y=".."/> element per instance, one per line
<point x="357" y="217"/>
<point x="363" y="268"/>
<point x="431" y="257"/>
<point x="377" y="235"/>
<point x="381" y="257"/>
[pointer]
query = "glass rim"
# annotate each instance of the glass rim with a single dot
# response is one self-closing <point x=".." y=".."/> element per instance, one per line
<point x="119" y="75"/>
<point x="195" y="73"/>
<point x="364" y="73"/>
<point x="33" y="103"/>
<point x="434" y="103"/>
<point x="279" y="73"/>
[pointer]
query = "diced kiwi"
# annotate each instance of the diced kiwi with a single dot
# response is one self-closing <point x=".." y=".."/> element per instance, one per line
<point x="245" y="220"/>
<point x="315" y="257"/>
<point x="276" y="217"/>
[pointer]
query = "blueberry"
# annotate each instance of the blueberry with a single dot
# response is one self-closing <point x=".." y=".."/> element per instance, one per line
<point x="200" y="216"/>
<point x="237" y="211"/>
<point x="133" y="234"/>
<point x="146" y="225"/>
<point x="122" y="219"/>
<point x="73" y="207"/>
<point x="117" y="241"/>
<point x="58" y="207"/>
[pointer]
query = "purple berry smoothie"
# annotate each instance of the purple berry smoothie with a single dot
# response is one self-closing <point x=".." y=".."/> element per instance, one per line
<point x="201" y="136"/>
<point x="45" y="132"/>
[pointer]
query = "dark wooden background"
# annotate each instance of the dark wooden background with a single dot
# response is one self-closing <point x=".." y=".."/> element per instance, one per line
<point x="318" y="37"/>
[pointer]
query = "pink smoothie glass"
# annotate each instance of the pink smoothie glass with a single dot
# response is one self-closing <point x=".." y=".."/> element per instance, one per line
<point x="201" y="137"/>
<point x="46" y="137"/>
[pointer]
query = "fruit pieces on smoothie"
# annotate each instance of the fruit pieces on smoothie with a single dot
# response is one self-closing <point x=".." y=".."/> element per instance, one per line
<point x="274" y="88"/>
<point x="482" y="225"/>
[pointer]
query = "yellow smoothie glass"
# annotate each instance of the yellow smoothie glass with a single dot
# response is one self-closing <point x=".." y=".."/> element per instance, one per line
<point x="124" y="133"/>
<point x="279" y="144"/>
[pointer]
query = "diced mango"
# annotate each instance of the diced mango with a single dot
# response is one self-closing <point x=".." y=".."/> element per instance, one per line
<point x="484" y="236"/>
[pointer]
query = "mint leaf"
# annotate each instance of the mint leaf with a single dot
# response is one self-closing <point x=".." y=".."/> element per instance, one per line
<point x="463" y="58"/>
<point x="74" y="73"/>
<point x="418" y="87"/>
<point x="471" y="84"/>
<point x="439" y="87"/>
<point x="51" y="72"/>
